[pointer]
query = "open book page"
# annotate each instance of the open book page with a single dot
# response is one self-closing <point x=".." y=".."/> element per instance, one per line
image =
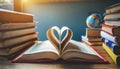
<point x="59" y="43"/>
<point x="67" y="37"/>
<point x="79" y="50"/>
<point x="52" y="38"/>
<point x="41" y="50"/>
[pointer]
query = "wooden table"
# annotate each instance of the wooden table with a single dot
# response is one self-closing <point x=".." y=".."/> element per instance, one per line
<point x="61" y="65"/>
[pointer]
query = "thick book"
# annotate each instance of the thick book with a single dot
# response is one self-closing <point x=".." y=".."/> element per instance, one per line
<point x="112" y="16"/>
<point x="7" y="43"/>
<point x="114" y="47"/>
<point x="95" y="32"/>
<point x="112" y="22"/>
<point x="113" y="30"/>
<point x="60" y="48"/>
<point x="6" y="52"/>
<point x="16" y="25"/>
<point x="113" y="8"/>
<point x="13" y="16"/>
<point x="16" y="33"/>
<point x="115" y="39"/>
<point x="91" y="38"/>
<point x="115" y="58"/>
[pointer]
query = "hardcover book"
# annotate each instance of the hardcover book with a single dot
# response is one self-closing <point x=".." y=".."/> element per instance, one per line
<point x="7" y="43"/>
<point x="60" y="48"/>
<point x="16" y="33"/>
<point x="114" y="47"/>
<point x="115" y="58"/>
<point x="112" y="16"/>
<point x="16" y="25"/>
<point x="115" y="39"/>
<point x="113" y="30"/>
<point x="112" y="22"/>
<point x="6" y="52"/>
<point x="13" y="16"/>
<point x="93" y="32"/>
<point x="113" y="8"/>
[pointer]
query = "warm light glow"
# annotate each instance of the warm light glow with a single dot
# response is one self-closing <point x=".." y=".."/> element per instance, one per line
<point x="24" y="1"/>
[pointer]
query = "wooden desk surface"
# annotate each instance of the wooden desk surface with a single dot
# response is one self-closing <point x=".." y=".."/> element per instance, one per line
<point x="61" y="65"/>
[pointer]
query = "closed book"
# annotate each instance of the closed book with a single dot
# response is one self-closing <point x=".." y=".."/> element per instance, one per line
<point x="91" y="38"/>
<point x="9" y="51"/>
<point x="16" y="25"/>
<point x="92" y="32"/>
<point x="113" y="8"/>
<point x="112" y="16"/>
<point x="112" y="22"/>
<point x="13" y="16"/>
<point x="16" y="33"/>
<point x="115" y="39"/>
<point x="113" y="30"/>
<point x="17" y="40"/>
<point x="114" y="47"/>
<point x="115" y="58"/>
<point x="92" y="43"/>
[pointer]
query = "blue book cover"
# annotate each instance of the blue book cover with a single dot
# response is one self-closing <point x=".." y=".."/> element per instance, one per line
<point x="114" y="47"/>
<point x="115" y="39"/>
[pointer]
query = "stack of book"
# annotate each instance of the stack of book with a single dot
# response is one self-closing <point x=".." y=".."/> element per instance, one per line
<point x="111" y="32"/>
<point x="92" y="37"/>
<point x="17" y="33"/>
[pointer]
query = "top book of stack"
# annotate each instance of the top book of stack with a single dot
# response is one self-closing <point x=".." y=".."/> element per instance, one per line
<point x="7" y="16"/>
<point x="113" y="8"/>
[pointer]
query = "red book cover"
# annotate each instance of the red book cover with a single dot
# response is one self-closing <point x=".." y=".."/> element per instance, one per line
<point x="112" y="30"/>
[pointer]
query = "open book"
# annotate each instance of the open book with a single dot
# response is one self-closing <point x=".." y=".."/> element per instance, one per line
<point x="57" y="47"/>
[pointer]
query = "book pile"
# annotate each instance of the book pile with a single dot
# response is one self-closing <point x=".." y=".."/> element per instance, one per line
<point x="111" y="32"/>
<point x="92" y="37"/>
<point x="17" y="33"/>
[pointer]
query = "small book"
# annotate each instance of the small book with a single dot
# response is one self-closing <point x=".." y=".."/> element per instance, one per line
<point x="93" y="32"/>
<point x="60" y="48"/>
<point x="113" y="8"/>
<point x="115" y="58"/>
<point x="115" y="39"/>
<point x="113" y="30"/>
<point x="114" y="47"/>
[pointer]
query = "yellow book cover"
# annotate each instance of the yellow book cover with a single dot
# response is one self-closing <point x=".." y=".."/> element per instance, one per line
<point x="114" y="57"/>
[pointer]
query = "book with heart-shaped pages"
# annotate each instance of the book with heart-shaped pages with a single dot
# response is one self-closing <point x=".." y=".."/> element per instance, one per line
<point x="60" y="46"/>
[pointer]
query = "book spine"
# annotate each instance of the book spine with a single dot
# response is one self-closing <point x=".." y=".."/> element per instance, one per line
<point x="114" y="47"/>
<point x="114" y="57"/>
